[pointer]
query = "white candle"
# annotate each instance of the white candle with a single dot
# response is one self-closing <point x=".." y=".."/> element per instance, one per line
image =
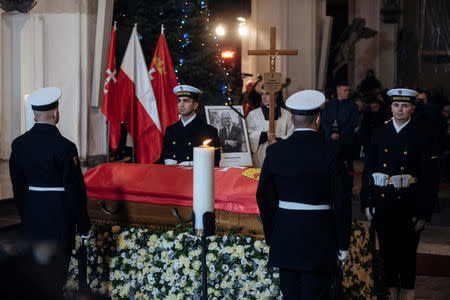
<point x="203" y="197"/>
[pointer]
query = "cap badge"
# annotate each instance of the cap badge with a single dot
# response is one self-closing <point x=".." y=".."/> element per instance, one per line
<point x="400" y="92"/>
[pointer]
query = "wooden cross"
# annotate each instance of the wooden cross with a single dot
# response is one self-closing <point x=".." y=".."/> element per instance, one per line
<point x="272" y="80"/>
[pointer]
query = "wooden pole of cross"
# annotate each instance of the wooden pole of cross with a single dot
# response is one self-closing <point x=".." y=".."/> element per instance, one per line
<point x="272" y="79"/>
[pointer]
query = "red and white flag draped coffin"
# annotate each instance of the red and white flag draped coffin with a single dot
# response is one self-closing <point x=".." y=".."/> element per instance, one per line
<point x="171" y="186"/>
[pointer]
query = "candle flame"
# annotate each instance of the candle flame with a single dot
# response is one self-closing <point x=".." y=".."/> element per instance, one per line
<point x="205" y="143"/>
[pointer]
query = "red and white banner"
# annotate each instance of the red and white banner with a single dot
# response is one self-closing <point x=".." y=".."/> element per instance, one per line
<point x="163" y="79"/>
<point x="111" y="106"/>
<point x="138" y="104"/>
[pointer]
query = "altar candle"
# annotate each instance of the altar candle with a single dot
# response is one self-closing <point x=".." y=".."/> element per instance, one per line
<point x="203" y="197"/>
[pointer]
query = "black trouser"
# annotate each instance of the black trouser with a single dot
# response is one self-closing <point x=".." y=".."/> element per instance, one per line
<point x="398" y="245"/>
<point x="304" y="284"/>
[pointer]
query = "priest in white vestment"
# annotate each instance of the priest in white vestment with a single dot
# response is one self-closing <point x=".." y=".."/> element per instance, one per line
<point x="258" y="127"/>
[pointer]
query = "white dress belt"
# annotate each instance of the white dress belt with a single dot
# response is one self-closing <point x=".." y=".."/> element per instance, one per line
<point x="302" y="206"/>
<point x="46" y="189"/>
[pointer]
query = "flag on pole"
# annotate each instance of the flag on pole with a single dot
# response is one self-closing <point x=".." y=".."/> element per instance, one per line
<point x="138" y="104"/>
<point x="110" y="106"/>
<point x="163" y="79"/>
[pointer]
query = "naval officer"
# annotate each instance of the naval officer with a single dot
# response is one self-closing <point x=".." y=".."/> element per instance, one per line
<point x="190" y="131"/>
<point x="398" y="189"/>
<point x="48" y="184"/>
<point x="305" y="211"/>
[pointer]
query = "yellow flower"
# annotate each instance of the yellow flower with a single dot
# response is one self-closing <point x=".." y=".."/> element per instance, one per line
<point x="178" y="246"/>
<point x="212" y="246"/>
<point x="115" y="229"/>
<point x="229" y="249"/>
<point x="172" y="297"/>
<point x="121" y="242"/>
<point x="117" y="274"/>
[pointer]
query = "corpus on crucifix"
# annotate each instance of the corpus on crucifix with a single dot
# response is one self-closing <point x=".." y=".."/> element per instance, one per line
<point x="272" y="79"/>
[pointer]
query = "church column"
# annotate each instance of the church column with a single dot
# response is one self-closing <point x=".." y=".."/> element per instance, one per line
<point x="366" y="51"/>
<point x="388" y="45"/>
<point x="297" y="25"/>
<point x="21" y="71"/>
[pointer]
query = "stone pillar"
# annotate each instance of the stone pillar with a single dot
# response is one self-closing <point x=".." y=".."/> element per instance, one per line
<point x="52" y="45"/>
<point x="366" y="51"/>
<point x="388" y="56"/>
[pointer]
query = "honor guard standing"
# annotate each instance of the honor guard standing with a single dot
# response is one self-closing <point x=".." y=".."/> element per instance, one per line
<point x="48" y="184"/>
<point x="305" y="211"/>
<point x="398" y="189"/>
<point x="190" y="131"/>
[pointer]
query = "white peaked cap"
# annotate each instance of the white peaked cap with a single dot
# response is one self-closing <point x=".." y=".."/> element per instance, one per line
<point x="403" y="95"/>
<point x="44" y="99"/>
<point x="179" y="89"/>
<point x="402" y="92"/>
<point x="307" y="102"/>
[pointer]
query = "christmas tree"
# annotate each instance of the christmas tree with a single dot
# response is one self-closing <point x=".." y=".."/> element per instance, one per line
<point x="194" y="48"/>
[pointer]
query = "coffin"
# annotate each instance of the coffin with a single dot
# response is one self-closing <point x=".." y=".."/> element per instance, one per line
<point x="147" y="194"/>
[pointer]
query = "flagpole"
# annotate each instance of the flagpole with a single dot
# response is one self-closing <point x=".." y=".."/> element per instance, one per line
<point x="108" y="123"/>
<point x="132" y="152"/>
<point x="107" y="141"/>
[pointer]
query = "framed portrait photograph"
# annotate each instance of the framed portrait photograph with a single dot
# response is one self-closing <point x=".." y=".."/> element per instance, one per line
<point x="235" y="147"/>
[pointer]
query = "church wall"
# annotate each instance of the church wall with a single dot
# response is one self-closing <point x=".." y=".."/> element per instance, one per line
<point x="60" y="54"/>
<point x="297" y="25"/>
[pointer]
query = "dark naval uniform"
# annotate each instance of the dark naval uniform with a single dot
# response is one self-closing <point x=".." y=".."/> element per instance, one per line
<point x="179" y="140"/>
<point x="410" y="151"/>
<point x="341" y="116"/>
<point x="42" y="160"/>
<point x="303" y="169"/>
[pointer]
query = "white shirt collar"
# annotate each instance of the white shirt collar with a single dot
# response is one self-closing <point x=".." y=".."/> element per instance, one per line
<point x="398" y="128"/>
<point x="304" y="129"/>
<point x="188" y="121"/>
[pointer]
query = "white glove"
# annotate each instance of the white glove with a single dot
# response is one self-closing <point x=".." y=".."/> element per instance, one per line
<point x="380" y="179"/>
<point x="186" y="163"/>
<point x="405" y="180"/>
<point x="369" y="214"/>
<point x="170" y="161"/>
<point x="419" y="223"/>
<point x="341" y="256"/>
<point x="397" y="181"/>
<point x="84" y="238"/>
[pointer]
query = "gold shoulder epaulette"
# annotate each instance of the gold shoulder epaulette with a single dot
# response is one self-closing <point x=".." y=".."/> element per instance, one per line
<point x="434" y="157"/>
<point x="385" y="122"/>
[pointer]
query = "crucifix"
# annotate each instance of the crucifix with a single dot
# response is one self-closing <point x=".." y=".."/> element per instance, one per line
<point x="272" y="79"/>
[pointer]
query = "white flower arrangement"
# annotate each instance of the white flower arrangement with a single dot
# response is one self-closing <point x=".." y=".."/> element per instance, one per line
<point x="133" y="263"/>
